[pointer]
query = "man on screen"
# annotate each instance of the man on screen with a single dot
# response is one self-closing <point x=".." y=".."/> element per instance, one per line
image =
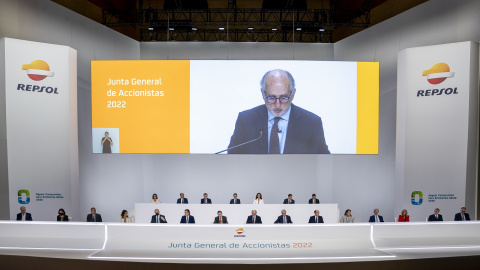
<point x="278" y="127"/>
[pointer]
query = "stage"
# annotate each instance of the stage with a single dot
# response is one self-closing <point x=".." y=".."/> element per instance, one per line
<point x="240" y="243"/>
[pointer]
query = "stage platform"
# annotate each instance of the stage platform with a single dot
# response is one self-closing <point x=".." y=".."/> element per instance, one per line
<point x="240" y="243"/>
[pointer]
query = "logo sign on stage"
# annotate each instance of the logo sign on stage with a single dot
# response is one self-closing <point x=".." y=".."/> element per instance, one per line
<point x="41" y="125"/>
<point x="436" y="128"/>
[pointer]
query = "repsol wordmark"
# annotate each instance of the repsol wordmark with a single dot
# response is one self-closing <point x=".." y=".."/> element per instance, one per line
<point x="36" y="88"/>
<point x="437" y="92"/>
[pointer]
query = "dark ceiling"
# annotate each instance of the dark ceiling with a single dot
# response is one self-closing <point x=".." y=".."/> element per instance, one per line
<point x="315" y="21"/>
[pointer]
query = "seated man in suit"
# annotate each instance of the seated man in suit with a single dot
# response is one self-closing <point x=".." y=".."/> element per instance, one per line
<point x="23" y="215"/>
<point x="284" y="218"/>
<point x="316" y="218"/>
<point x="187" y="218"/>
<point x="93" y="216"/>
<point x="182" y="199"/>
<point x="462" y="216"/>
<point x="205" y="199"/>
<point x="253" y="218"/>
<point x="375" y="217"/>
<point x="220" y="219"/>
<point x="235" y="200"/>
<point x="314" y="200"/>
<point x="157" y="218"/>
<point x="436" y="216"/>
<point x="289" y="200"/>
<point x="278" y="126"/>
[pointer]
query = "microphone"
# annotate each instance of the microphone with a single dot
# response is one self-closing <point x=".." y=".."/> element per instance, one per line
<point x="279" y="131"/>
<point x="238" y="145"/>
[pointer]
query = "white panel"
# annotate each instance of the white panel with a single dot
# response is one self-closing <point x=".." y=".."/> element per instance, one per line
<point x="436" y="127"/>
<point x="41" y="128"/>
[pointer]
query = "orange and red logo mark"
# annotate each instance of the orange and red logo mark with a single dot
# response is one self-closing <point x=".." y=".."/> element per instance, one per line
<point x="438" y="73"/>
<point x="239" y="230"/>
<point x="38" y="70"/>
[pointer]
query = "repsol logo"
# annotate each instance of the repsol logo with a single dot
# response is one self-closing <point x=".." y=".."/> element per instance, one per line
<point x="36" y="88"/>
<point x="437" y="92"/>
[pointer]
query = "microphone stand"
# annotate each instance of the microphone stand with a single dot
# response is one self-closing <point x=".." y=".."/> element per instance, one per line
<point x="238" y="145"/>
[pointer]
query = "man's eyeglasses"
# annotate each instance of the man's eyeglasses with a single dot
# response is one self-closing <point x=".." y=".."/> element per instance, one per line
<point x="272" y="100"/>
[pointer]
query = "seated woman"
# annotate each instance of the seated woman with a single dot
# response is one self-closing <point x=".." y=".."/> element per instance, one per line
<point x="61" y="215"/>
<point x="124" y="217"/>
<point x="404" y="217"/>
<point x="155" y="198"/>
<point x="258" y="199"/>
<point x="347" y="218"/>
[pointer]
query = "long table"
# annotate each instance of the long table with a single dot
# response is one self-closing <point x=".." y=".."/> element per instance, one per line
<point x="236" y="213"/>
<point x="244" y="244"/>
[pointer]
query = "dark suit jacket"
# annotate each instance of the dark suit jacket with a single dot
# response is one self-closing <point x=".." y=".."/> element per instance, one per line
<point x="191" y="219"/>
<point x="28" y="216"/>
<point x="432" y="218"/>
<point x="280" y="219"/>
<point x="372" y="218"/>
<point x="304" y="132"/>
<point x="286" y="201"/>
<point x="208" y="201"/>
<point x="98" y="218"/>
<point x="237" y="202"/>
<point x="458" y="217"/>
<point x="185" y="200"/>
<point x="258" y="219"/>
<point x="317" y="201"/>
<point x="65" y="218"/>
<point x="312" y="219"/>
<point x="224" y="220"/>
<point x="154" y="219"/>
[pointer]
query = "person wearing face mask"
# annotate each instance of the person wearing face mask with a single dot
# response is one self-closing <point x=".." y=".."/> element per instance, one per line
<point x="157" y="218"/>
<point x="61" y="215"/>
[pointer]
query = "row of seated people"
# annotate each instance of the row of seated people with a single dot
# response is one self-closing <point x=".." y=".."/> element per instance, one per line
<point x="235" y="200"/>
<point x="221" y="219"/>
<point x="284" y="218"/>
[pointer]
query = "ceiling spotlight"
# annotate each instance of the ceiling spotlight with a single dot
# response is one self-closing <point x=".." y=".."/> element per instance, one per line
<point x="171" y="28"/>
<point x="274" y="29"/>
<point x="150" y="28"/>
<point x="250" y="28"/>
<point x="299" y="29"/>
<point x="321" y="29"/>
<point x="194" y="29"/>
<point x="221" y="28"/>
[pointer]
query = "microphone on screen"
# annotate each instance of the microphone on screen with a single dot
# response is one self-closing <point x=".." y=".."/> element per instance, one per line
<point x="238" y="145"/>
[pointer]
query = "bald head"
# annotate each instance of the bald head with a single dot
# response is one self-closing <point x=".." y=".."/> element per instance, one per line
<point x="278" y="90"/>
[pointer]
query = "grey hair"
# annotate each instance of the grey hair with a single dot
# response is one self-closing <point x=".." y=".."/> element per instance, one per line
<point x="291" y="80"/>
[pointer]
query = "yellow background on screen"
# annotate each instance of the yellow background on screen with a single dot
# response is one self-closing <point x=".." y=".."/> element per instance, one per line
<point x="367" y="107"/>
<point x="146" y="124"/>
